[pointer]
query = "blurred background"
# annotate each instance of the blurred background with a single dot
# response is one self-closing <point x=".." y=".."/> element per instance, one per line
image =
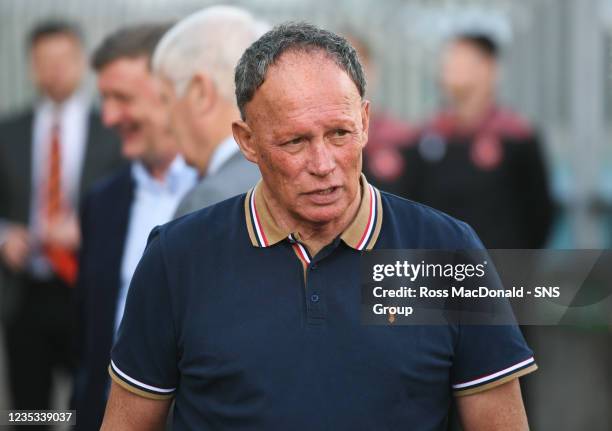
<point x="556" y="71"/>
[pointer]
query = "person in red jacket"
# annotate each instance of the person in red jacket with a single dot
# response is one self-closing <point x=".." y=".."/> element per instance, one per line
<point x="479" y="161"/>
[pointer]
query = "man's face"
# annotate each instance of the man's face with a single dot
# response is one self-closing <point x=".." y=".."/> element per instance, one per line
<point x="466" y="71"/>
<point x="57" y="65"/>
<point x="309" y="126"/>
<point x="132" y="105"/>
<point x="183" y="121"/>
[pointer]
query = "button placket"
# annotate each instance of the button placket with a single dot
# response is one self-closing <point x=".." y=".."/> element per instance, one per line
<point x="315" y="306"/>
<point x="313" y="290"/>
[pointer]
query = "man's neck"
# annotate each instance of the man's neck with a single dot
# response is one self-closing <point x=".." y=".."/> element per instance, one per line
<point x="214" y="134"/>
<point x="314" y="236"/>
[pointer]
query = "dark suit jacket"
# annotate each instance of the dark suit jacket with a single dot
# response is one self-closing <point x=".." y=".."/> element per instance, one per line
<point x="235" y="176"/>
<point x="102" y="156"/>
<point x="104" y="221"/>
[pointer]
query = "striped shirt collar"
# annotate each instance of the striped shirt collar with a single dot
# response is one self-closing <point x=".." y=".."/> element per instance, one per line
<point x="361" y="234"/>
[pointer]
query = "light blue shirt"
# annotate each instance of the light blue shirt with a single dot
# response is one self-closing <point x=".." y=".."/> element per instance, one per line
<point x="154" y="204"/>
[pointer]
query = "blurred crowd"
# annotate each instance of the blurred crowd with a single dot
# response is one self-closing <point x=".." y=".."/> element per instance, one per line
<point x="82" y="187"/>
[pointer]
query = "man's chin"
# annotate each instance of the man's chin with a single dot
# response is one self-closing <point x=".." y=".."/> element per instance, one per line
<point x="322" y="214"/>
<point x="130" y="150"/>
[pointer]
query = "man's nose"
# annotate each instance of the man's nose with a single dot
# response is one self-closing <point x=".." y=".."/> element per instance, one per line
<point x="110" y="113"/>
<point x="321" y="158"/>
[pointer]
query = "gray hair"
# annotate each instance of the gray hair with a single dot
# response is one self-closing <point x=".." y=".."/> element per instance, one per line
<point x="211" y="41"/>
<point x="301" y="37"/>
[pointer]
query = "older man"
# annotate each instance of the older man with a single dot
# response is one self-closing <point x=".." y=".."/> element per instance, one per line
<point x="247" y="313"/>
<point x="196" y="59"/>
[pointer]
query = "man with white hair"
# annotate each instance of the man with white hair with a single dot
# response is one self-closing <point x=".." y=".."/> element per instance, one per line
<point x="196" y="60"/>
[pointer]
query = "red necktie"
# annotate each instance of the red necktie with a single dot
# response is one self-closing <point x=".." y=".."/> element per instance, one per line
<point x="63" y="261"/>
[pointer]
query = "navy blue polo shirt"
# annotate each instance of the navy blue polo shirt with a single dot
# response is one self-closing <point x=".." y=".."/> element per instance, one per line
<point x="231" y="316"/>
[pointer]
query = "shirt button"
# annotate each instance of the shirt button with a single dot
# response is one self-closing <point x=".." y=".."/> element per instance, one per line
<point x="314" y="298"/>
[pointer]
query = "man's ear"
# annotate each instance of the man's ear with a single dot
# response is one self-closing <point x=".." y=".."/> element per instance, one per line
<point x="365" y="120"/>
<point x="201" y="93"/>
<point x="244" y="137"/>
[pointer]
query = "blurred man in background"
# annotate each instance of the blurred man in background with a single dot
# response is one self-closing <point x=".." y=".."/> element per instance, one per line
<point x="49" y="156"/>
<point x="383" y="163"/>
<point x="119" y="213"/>
<point x="196" y="59"/>
<point x="477" y="161"/>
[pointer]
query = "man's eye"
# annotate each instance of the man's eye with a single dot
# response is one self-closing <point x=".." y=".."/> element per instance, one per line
<point x="340" y="133"/>
<point x="294" y="141"/>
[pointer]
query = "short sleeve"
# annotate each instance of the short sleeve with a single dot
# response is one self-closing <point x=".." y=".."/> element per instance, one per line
<point x="144" y="357"/>
<point x="488" y="356"/>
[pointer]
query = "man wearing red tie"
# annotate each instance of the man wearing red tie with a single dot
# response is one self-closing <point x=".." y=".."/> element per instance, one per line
<point x="49" y="156"/>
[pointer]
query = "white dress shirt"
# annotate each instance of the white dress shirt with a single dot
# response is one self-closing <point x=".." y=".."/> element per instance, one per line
<point x="154" y="204"/>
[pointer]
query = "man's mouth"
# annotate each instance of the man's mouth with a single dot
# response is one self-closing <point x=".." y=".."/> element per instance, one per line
<point x="324" y="196"/>
<point x="324" y="192"/>
<point x="127" y="130"/>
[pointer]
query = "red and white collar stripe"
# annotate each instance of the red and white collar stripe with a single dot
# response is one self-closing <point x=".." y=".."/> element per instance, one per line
<point x="367" y="234"/>
<point x="300" y="249"/>
<point x="259" y="232"/>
